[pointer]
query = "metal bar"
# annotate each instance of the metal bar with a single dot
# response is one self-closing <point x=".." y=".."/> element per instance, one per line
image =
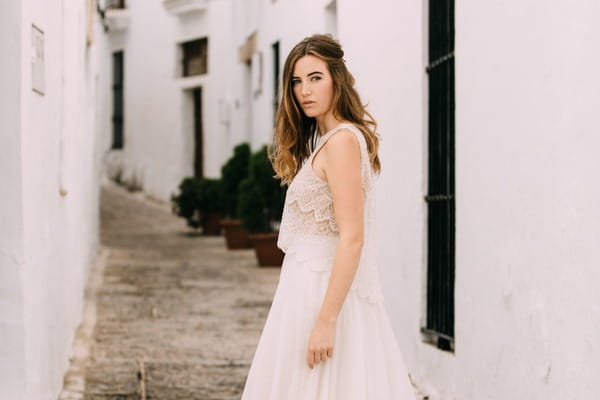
<point x="439" y="61"/>
<point x="438" y="197"/>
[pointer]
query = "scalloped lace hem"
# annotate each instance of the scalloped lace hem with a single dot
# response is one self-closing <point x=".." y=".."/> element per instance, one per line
<point x="316" y="253"/>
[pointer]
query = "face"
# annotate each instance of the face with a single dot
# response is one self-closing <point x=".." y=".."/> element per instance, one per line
<point x="312" y="86"/>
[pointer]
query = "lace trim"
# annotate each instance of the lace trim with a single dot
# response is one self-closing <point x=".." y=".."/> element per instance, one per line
<point x="316" y="253"/>
<point x="309" y="204"/>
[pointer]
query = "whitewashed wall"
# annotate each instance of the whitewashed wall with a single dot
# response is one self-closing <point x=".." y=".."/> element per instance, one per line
<point x="527" y="223"/>
<point x="47" y="239"/>
<point x="12" y="330"/>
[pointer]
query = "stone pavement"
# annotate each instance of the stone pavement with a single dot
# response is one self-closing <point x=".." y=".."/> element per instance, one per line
<point x="169" y="315"/>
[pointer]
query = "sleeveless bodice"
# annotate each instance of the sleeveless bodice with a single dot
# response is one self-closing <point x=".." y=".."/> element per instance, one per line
<point x="308" y="227"/>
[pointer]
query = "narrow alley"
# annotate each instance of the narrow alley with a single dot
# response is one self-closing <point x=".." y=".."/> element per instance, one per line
<point x="178" y="316"/>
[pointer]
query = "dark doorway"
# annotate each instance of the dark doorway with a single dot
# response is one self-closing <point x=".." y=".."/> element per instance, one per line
<point x="198" y="135"/>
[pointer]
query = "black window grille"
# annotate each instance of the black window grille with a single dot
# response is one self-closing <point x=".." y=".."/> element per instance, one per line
<point x="195" y="57"/>
<point x="118" y="78"/>
<point x="112" y="4"/>
<point x="441" y="196"/>
<point x="275" y="78"/>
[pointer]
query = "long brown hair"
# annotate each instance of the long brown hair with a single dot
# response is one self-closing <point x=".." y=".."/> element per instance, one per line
<point x="294" y="131"/>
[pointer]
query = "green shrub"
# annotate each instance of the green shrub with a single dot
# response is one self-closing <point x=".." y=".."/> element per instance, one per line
<point x="232" y="173"/>
<point x="261" y="197"/>
<point x="197" y="197"/>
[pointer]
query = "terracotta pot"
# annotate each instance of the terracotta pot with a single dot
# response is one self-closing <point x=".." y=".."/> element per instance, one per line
<point x="212" y="224"/>
<point x="236" y="237"/>
<point x="265" y="247"/>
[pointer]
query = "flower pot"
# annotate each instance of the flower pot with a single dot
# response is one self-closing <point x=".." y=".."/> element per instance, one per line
<point x="236" y="237"/>
<point x="265" y="247"/>
<point x="211" y="224"/>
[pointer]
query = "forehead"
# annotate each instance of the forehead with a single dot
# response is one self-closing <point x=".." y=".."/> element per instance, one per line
<point x="309" y="63"/>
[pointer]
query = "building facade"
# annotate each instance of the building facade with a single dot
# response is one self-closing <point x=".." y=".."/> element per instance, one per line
<point x="169" y="61"/>
<point x="49" y="177"/>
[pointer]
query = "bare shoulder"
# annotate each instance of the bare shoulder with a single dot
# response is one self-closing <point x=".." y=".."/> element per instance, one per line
<point x="341" y="150"/>
<point x="343" y="143"/>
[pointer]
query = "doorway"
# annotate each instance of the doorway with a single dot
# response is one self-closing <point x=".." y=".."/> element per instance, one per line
<point x="198" y="134"/>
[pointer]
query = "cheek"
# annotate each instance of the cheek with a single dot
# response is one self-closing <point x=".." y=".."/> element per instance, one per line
<point x="327" y="91"/>
<point x="295" y="92"/>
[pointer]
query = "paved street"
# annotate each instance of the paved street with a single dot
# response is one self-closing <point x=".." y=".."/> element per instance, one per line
<point x="177" y="316"/>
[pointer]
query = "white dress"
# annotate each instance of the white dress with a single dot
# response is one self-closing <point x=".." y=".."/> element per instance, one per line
<point x="366" y="362"/>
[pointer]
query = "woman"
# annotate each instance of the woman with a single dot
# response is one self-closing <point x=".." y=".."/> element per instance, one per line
<point x="327" y="335"/>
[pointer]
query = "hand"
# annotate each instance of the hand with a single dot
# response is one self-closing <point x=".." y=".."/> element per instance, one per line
<point x="320" y="343"/>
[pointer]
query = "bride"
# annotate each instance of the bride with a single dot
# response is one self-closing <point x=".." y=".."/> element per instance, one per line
<point x="327" y="335"/>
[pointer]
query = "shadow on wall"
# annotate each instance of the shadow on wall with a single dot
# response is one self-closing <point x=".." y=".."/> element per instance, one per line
<point x="115" y="170"/>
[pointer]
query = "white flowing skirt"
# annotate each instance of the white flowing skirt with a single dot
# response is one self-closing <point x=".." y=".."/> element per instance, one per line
<point x="366" y="362"/>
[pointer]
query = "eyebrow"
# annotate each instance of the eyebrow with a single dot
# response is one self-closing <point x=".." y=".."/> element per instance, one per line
<point x="312" y="73"/>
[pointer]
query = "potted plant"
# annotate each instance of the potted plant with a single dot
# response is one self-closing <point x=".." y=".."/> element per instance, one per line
<point x="200" y="202"/>
<point x="260" y="206"/>
<point x="232" y="173"/>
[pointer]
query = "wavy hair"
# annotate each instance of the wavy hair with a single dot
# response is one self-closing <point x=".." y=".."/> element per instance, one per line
<point x="294" y="135"/>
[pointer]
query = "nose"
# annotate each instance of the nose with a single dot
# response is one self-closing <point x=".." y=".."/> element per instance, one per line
<point x="304" y="89"/>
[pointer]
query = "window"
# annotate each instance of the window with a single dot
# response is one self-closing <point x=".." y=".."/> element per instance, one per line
<point x="117" y="142"/>
<point x="441" y="197"/>
<point x="111" y="4"/>
<point x="195" y="57"/>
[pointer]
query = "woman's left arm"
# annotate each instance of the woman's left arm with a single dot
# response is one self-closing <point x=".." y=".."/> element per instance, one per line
<point x="343" y="174"/>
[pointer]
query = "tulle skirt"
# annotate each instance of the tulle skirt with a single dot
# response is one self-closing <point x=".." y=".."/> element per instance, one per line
<point x="366" y="362"/>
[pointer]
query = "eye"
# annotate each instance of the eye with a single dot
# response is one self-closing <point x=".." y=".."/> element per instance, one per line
<point x="295" y="81"/>
<point x="317" y="78"/>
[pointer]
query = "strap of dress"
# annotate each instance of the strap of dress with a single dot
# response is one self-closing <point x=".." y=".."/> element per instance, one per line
<point x="325" y="137"/>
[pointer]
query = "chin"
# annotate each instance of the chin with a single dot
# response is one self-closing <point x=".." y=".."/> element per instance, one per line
<point x="312" y="113"/>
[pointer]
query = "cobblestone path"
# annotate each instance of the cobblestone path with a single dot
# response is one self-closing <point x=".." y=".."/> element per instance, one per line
<point x="177" y="316"/>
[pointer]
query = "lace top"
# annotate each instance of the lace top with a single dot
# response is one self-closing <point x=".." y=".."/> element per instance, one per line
<point x="308" y="227"/>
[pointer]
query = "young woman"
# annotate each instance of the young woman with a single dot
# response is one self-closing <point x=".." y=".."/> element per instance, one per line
<point x="327" y="335"/>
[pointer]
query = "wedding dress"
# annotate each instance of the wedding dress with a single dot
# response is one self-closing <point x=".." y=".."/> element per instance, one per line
<point x="367" y="363"/>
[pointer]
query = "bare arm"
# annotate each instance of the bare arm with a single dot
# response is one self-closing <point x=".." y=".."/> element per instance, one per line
<point x="341" y="160"/>
<point x="342" y="169"/>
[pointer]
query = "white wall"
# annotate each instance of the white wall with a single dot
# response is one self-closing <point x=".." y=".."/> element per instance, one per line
<point x="48" y="238"/>
<point x="527" y="221"/>
<point x="527" y="308"/>
<point x="12" y="347"/>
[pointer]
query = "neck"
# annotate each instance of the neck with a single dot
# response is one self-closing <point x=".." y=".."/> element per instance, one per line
<point x="327" y="122"/>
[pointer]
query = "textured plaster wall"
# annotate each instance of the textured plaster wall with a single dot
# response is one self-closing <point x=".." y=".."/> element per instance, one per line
<point x="50" y="180"/>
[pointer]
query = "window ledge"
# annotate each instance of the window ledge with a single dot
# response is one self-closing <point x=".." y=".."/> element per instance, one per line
<point x="181" y="7"/>
<point x="192" y="82"/>
<point x="117" y="19"/>
<point x="439" y="340"/>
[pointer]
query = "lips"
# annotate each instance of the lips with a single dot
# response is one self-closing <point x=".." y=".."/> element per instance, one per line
<point x="308" y="103"/>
